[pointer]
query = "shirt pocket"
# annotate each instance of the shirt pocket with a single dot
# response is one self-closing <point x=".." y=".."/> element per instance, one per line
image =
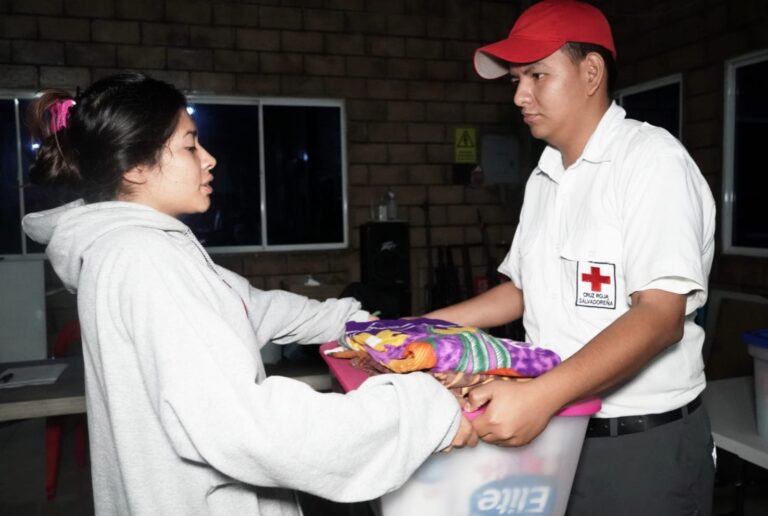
<point x="599" y="245"/>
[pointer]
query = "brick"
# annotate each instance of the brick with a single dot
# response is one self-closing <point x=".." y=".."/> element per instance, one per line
<point x="345" y="87"/>
<point x="462" y="215"/>
<point x="236" y="14"/>
<point x="281" y="63"/>
<point x="178" y="78"/>
<point x="252" y="39"/>
<point x="212" y="82"/>
<point x="386" y="89"/>
<point x="486" y="195"/>
<point x="426" y="133"/>
<point x="303" y="86"/>
<point x="64" y="77"/>
<point x="388" y="175"/>
<point x="702" y="134"/>
<point x="405" y="111"/>
<point x="406" y="26"/>
<point x="365" y="23"/>
<point x="691" y="56"/>
<point x="188" y="11"/>
<point x="294" y="41"/>
<point x="386" y="46"/>
<point x="444" y="112"/>
<point x="368" y="153"/>
<point x="464" y="92"/>
<point x="36" y="6"/>
<point x="90" y="8"/>
<point x="427" y="174"/>
<point x="350" y="5"/>
<point x="143" y="10"/>
<point x="445" y="28"/>
<point x="386" y="132"/>
<point x="385" y="6"/>
<point x="235" y="61"/>
<point x="407" y="68"/>
<point x="407" y="153"/>
<point x="257" y="84"/>
<point x="460" y="50"/>
<point x="18" y="27"/>
<point x="366" y="67"/>
<point x="358" y="174"/>
<point x="115" y="31"/>
<point x="140" y="57"/>
<point x="211" y="37"/>
<point x="502" y="92"/>
<point x="447" y="70"/>
<point x="37" y="52"/>
<point x="488" y="114"/>
<point x="280" y="18"/>
<point x="18" y="77"/>
<point x="410" y="195"/>
<point x="440" y="153"/>
<point x="703" y="107"/>
<point x="65" y="29"/>
<point x="90" y="54"/>
<point x="164" y="34"/>
<point x="5" y="51"/>
<point x="423" y="90"/>
<point x="324" y="65"/>
<point x="184" y="59"/>
<point x="423" y="48"/>
<point x="368" y="110"/>
<point x="345" y="44"/>
<point x="323" y="20"/>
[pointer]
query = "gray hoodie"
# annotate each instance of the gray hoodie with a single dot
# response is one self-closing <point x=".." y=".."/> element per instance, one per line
<point x="181" y="417"/>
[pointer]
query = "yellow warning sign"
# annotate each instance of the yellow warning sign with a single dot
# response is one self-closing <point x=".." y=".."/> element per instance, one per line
<point x="465" y="145"/>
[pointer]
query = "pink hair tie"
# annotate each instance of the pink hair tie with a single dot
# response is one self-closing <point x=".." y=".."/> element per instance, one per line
<point x="59" y="112"/>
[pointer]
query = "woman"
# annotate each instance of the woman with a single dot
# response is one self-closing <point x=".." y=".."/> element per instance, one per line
<point x="182" y="419"/>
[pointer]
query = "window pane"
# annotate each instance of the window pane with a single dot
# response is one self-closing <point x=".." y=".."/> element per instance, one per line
<point x="750" y="224"/>
<point x="231" y="134"/>
<point x="658" y="106"/>
<point x="303" y="168"/>
<point x="10" y="225"/>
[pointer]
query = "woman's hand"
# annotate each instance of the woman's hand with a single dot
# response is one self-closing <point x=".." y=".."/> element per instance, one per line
<point x="466" y="436"/>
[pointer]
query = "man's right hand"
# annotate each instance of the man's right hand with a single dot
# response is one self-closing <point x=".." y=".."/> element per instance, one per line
<point x="466" y="436"/>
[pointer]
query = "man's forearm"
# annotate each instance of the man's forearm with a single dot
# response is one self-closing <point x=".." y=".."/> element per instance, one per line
<point x="500" y="305"/>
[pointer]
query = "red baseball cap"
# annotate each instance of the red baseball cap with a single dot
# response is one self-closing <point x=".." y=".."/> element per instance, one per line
<point x="540" y="31"/>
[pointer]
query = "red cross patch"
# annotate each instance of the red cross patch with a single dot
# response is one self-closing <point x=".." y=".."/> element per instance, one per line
<point x="596" y="285"/>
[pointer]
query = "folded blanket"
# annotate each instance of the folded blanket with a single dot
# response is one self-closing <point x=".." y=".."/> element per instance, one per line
<point x="435" y="346"/>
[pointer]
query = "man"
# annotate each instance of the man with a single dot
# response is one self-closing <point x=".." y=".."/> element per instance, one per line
<point x="608" y="265"/>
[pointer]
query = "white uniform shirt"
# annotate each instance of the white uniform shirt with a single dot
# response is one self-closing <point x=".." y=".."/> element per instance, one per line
<point x="632" y="213"/>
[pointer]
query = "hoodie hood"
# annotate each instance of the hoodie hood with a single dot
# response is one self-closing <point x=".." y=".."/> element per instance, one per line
<point x="70" y="230"/>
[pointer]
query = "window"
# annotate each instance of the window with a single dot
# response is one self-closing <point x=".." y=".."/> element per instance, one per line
<point x="657" y="102"/>
<point x="279" y="183"/>
<point x="745" y="225"/>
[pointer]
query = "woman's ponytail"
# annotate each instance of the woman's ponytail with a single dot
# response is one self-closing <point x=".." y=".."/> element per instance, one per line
<point x="49" y="118"/>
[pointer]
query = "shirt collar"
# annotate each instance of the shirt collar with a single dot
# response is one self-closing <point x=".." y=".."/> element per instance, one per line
<point x="597" y="150"/>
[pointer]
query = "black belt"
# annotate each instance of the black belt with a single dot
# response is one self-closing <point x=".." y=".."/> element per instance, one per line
<point x="611" y="427"/>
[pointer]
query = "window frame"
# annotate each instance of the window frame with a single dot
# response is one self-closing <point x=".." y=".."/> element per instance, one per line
<point x="651" y="85"/>
<point x="729" y="147"/>
<point x="204" y="98"/>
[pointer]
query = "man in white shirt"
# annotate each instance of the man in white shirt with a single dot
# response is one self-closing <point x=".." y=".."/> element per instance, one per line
<point x="608" y="265"/>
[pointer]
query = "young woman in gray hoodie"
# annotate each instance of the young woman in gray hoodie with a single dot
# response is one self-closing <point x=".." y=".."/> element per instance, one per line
<point x="182" y="418"/>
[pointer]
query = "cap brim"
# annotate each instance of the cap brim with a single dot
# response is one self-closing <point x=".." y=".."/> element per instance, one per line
<point x="492" y="61"/>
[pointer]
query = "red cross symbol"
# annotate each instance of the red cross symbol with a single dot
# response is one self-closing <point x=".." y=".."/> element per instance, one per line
<point x="596" y="279"/>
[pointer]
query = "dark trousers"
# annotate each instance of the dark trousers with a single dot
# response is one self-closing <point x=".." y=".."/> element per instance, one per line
<point x="665" y="471"/>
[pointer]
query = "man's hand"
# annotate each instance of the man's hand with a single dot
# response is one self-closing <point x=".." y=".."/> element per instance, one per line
<point x="466" y="436"/>
<point x="514" y="415"/>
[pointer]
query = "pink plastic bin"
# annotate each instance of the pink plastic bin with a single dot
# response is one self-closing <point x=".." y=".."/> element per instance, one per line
<point x="532" y="480"/>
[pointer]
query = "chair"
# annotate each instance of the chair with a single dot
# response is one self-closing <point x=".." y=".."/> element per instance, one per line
<point x="53" y="425"/>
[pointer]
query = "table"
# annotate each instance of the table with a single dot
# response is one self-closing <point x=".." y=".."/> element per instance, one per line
<point x="66" y="396"/>
<point x="731" y="406"/>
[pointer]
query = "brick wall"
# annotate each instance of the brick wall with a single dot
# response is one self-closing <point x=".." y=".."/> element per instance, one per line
<point x="656" y="38"/>
<point x="404" y="69"/>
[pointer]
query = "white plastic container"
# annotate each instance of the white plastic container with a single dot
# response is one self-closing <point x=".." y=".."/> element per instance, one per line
<point x="758" y="348"/>
<point x="531" y="480"/>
